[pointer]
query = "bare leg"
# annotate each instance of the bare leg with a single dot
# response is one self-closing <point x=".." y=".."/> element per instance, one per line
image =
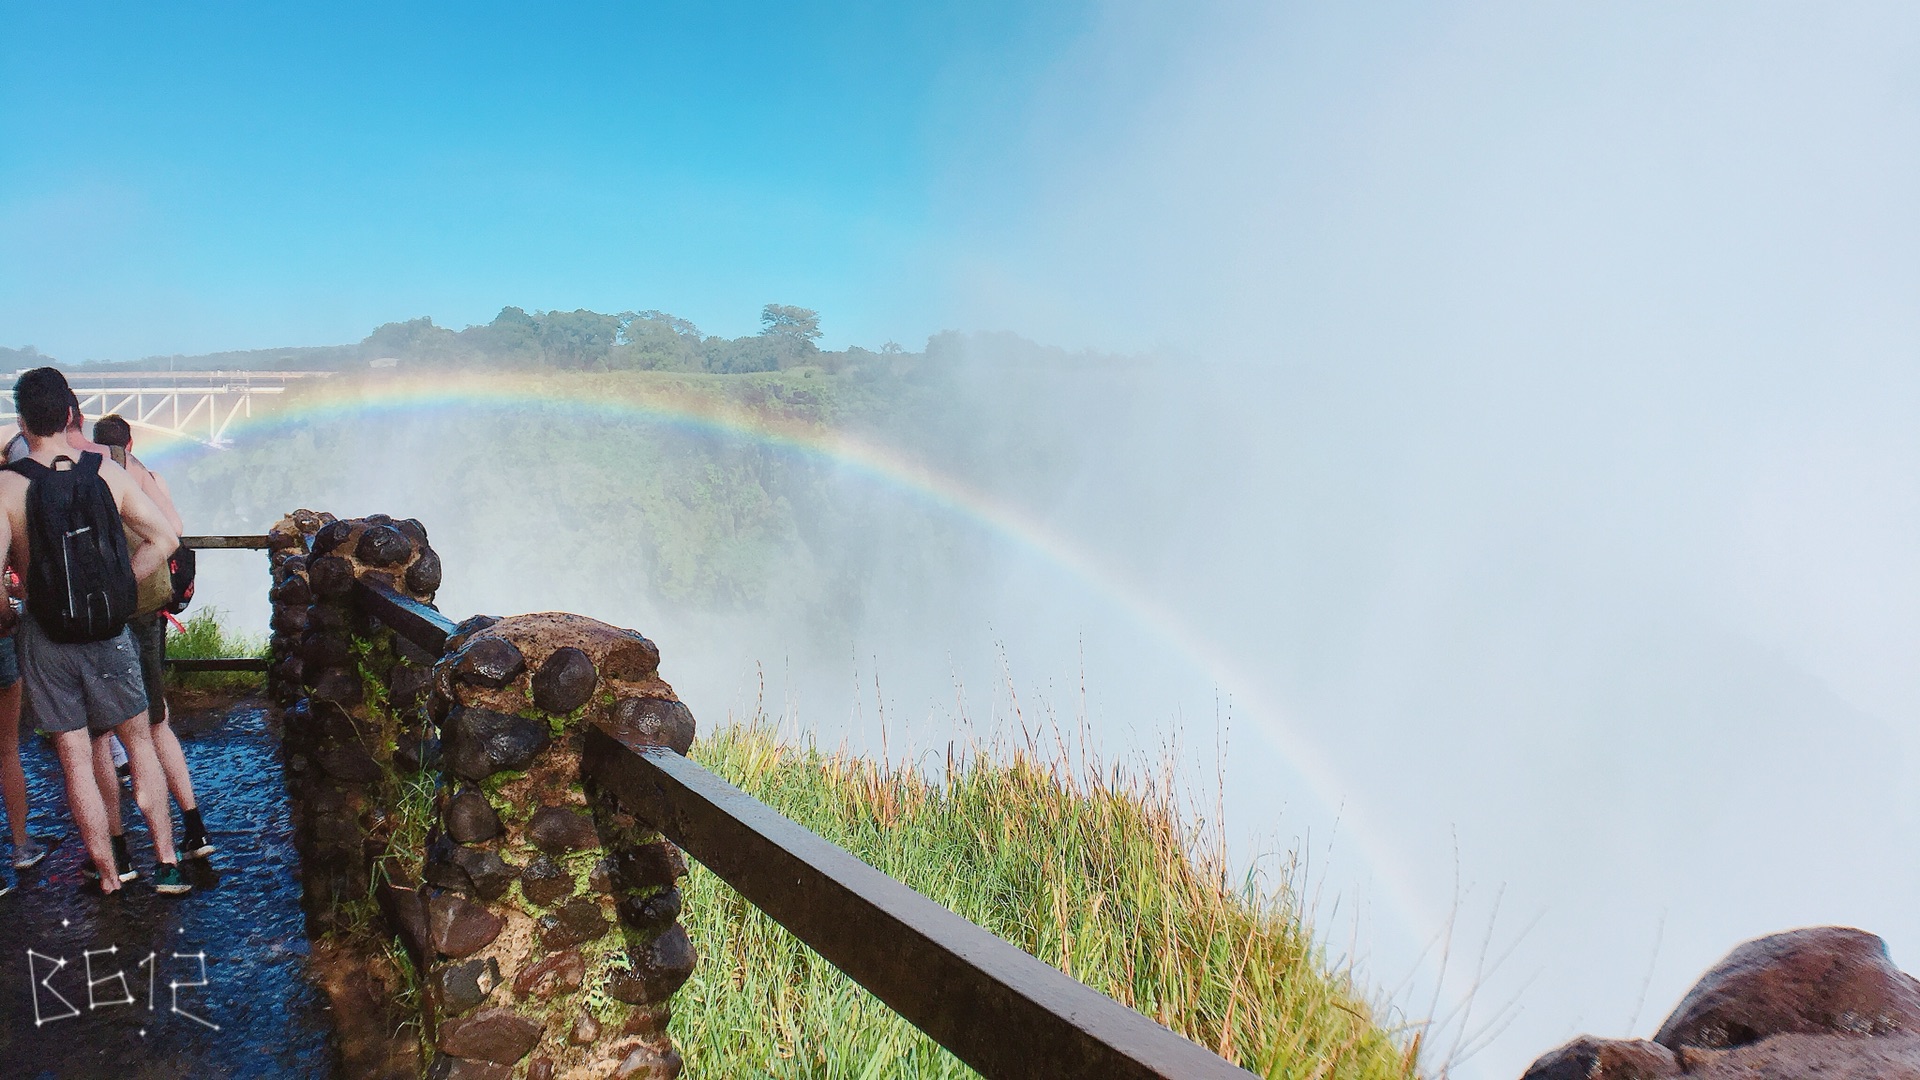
<point x="173" y="761"/>
<point x="108" y="778"/>
<point x="83" y="799"/>
<point x="149" y="784"/>
<point x="13" y="779"/>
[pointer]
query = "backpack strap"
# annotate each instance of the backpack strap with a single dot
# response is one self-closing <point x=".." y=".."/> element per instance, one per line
<point x="33" y="470"/>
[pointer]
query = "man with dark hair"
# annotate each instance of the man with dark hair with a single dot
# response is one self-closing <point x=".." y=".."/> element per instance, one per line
<point x="113" y="430"/>
<point x="78" y="686"/>
<point x="150" y="633"/>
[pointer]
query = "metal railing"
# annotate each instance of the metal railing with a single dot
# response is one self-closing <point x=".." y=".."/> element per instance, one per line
<point x="995" y="1007"/>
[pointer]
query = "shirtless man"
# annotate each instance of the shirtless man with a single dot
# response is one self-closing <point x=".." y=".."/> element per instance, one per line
<point x="112" y="432"/>
<point x="73" y="690"/>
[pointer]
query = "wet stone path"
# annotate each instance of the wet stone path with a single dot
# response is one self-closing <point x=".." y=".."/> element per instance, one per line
<point x="256" y="1015"/>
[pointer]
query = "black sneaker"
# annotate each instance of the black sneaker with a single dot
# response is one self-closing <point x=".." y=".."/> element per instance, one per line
<point x="196" y="847"/>
<point x="92" y="873"/>
<point x="168" y="880"/>
<point x="6" y="884"/>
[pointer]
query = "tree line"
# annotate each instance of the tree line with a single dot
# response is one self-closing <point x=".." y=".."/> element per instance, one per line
<point x="627" y="341"/>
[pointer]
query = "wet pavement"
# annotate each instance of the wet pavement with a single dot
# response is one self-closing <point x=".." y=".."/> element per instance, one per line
<point x="256" y="1015"/>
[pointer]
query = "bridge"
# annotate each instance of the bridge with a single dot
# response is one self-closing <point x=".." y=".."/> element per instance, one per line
<point x="195" y="405"/>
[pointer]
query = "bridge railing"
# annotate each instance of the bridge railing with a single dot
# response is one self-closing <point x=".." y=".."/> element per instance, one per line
<point x="994" y="1006"/>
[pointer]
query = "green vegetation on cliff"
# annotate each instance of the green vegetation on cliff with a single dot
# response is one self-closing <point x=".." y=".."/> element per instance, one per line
<point x="1098" y="882"/>
<point x="692" y="489"/>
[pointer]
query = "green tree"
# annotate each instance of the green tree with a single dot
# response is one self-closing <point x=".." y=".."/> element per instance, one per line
<point x="792" y="333"/>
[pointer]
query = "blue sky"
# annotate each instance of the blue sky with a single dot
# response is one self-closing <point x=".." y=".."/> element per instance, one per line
<point x="218" y="176"/>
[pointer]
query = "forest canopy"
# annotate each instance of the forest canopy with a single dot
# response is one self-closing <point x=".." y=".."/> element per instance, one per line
<point x="585" y="340"/>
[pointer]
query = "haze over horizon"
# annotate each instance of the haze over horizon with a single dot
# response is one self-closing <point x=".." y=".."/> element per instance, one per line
<point x="1530" y="431"/>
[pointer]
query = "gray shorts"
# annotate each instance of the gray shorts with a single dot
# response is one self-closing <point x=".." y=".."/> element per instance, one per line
<point x="150" y="633"/>
<point x="95" y="685"/>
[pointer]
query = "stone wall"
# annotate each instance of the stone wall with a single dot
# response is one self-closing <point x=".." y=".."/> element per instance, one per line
<point x="440" y="799"/>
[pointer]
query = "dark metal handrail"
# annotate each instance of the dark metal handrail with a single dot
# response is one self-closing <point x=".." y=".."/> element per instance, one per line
<point x="992" y="1005"/>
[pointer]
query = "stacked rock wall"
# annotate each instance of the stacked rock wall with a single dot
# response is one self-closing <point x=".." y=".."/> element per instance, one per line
<point x="541" y="919"/>
<point x="353" y="733"/>
<point x="552" y="917"/>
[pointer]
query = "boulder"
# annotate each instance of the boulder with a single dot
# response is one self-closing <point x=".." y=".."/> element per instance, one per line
<point x="499" y="1035"/>
<point x="331" y="536"/>
<point x="1810" y="1057"/>
<point x="650" y="914"/>
<point x="544" y="881"/>
<point x="339" y="685"/>
<point x="564" y="971"/>
<point x="1588" y="1058"/>
<point x="481" y="742"/>
<point x="408" y="916"/>
<point x="423" y="577"/>
<point x="653" y="721"/>
<point x="489" y="662"/>
<point x="383" y="545"/>
<point x="573" y="923"/>
<point x="649" y="1062"/>
<point x="330" y="576"/>
<point x="459" y="927"/>
<point x="565" y="681"/>
<point x="489" y="873"/>
<point x="293" y="591"/>
<point x="630" y="657"/>
<point x="323" y="650"/>
<point x="289" y="619"/>
<point x="456" y="988"/>
<point x="1826" y="980"/>
<point x="659" y="968"/>
<point x="585" y="1030"/>
<point x="407" y="685"/>
<point x="649" y="866"/>
<point x="470" y="819"/>
<point x="650" y="721"/>
<point x="556" y="831"/>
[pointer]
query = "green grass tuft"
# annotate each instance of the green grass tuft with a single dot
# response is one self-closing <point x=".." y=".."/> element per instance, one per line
<point x="1094" y="879"/>
<point x="205" y="637"/>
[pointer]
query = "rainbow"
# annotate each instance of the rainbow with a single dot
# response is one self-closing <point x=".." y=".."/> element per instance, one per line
<point x="673" y="402"/>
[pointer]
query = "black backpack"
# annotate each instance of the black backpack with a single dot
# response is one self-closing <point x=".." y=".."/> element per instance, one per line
<point x="180" y="565"/>
<point x="80" y="585"/>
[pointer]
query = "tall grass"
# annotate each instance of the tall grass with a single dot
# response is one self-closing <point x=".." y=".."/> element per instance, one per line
<point x="1096" y="878"/>
<point x="203" y="636"/>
